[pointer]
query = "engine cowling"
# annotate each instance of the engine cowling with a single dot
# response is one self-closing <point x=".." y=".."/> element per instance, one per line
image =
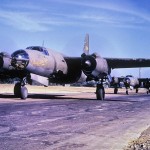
<point x="5" y="60"/>
<point x="115" y="80"/>
<point x="94" y="66"/>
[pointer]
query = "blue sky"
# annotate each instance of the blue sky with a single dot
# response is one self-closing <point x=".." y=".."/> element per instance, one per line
<point x="117" y="28"/>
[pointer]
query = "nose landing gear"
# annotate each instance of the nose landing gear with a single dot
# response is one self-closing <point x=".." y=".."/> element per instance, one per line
<point x="20" y="90"/>
<point x="100" y="92"/>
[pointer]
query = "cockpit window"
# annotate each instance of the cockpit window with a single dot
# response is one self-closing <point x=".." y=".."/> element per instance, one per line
<point x="129" y="76"/>
<point x="38" y="48"/>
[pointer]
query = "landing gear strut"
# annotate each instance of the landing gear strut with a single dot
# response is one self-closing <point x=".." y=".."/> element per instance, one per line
<point x="20" y="90"/>
<point x="100" y="92"/>
<point x="127" y="92"/>
<point x="115" y="90"/>
<point x="148" y="91"/>
<point x="17" y="88"/>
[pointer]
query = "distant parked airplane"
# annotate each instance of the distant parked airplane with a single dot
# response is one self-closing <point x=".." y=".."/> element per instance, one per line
<point x="130" y="82"/>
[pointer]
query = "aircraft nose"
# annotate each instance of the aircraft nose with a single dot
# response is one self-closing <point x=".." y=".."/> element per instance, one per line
<point x="20" y="59"/>
<point x="127" y="81"/>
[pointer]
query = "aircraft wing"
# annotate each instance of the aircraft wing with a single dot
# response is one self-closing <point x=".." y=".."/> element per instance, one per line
<point x="144" y="79"/>
<point x="6" y="70"/>
<point x="127" y="62"/>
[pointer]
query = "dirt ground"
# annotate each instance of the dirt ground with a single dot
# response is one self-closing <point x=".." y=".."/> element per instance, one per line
<point x="66" y="118"/>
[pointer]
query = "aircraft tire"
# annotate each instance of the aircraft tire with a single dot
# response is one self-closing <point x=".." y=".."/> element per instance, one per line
<point x="24" y="92"/>
<point x="100" y="94"/>
<point x="17" y="89"/>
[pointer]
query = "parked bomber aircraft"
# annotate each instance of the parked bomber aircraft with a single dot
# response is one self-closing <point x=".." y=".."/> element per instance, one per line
<point x="45" y="65"/>
<point x="130" y="82"/>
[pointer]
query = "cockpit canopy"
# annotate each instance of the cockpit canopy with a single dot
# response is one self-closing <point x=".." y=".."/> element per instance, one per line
<point x="129" y="76"/>
<point x="39" y="48"/>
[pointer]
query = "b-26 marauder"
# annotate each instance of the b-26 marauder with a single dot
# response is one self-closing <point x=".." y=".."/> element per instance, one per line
<point x="47" y="66"/>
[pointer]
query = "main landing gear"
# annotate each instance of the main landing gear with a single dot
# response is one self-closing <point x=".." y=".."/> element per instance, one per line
<point x="115" y="90"/>
<point x="127" y="93"/>
<point x="137" y="90"/>
<point x="100" y="92"/>
<point x="20" y="90"/>
<point x="148" y="91"/>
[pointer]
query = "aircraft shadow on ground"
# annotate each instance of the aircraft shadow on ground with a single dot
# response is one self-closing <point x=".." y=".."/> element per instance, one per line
<point x="128" y="98"/>
<point x="7" y="96"/>
<point x="120" y="100"/>
<point x="123" y="93"/>
<point x="34" y="96"/>
<point x="44" y="96"/>
<point x="55" y="96"/>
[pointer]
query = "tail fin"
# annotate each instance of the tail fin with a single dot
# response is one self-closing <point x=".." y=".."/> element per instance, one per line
<point x="86" y="45"/>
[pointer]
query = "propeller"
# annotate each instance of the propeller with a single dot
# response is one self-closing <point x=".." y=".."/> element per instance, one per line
<point x="88" y="63"/>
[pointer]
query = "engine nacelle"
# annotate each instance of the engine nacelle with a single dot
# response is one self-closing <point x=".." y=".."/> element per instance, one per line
<point x="94" y="66"/>
<point x="115" y="80"/>
<point x="5" y="60"/>
<point x="131" y="81"/>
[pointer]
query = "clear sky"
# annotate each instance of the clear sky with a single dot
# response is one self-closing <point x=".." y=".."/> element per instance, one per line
<point x="117" y="28"/>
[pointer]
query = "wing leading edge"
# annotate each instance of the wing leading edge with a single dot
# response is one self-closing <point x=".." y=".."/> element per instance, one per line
<point x="127" y="62"/>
